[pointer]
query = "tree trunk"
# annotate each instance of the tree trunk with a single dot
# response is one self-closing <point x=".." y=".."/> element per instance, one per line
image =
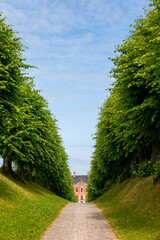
<point x="140" y="158"/>
<point x="7" y="164"/>
<point x="155" y="156"/>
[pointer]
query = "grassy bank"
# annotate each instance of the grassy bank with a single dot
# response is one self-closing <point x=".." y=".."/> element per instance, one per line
<point x="133" y="209"/>
<point x="26" y="210"/>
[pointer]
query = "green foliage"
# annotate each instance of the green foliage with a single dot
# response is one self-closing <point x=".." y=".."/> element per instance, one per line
<point x="108" y="184"/>
<point x="157" y="170"/>
<point x="146" y="169"/>
<point x="93" y="192"/>
<point x="125" y="175"/>
<point x="128" y="130"/>
<point x="29" y="135"/>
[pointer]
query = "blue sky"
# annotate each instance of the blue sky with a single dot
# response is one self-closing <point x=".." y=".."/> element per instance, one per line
<point x="69" y="41"/>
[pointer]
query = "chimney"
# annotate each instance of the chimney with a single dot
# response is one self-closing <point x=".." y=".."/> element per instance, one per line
<point x="74" y="174"/>
<point x="88" y="174"/>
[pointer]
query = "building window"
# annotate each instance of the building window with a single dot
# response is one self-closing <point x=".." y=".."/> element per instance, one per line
<point x="81" y="189"/>
<point x="76" y="189"/>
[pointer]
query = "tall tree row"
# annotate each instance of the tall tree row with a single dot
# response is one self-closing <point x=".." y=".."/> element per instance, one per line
<point x="29" y="138"/>
<point x="128" y="129"/>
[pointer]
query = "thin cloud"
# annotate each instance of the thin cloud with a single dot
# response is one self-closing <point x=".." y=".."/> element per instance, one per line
<point x="79" y="146"/>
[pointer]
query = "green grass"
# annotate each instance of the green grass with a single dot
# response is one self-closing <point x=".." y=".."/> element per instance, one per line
<point x="133" y="209"/>
<point x="26" y="210"/>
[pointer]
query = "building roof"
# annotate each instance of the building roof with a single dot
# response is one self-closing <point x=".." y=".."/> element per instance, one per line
<point x="79" y="178"/>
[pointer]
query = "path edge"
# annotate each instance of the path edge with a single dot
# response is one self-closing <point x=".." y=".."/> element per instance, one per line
<point x="101" y="211"/>
<point x="60" y="213"/>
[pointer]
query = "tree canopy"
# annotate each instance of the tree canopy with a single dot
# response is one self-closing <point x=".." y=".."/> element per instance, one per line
<point x="128" y="129"/>
<point x="29" y="137"/>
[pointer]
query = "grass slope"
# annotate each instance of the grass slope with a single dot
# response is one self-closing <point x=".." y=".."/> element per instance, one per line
<point x="26" y="210"/>
<point x="133" y="209"/>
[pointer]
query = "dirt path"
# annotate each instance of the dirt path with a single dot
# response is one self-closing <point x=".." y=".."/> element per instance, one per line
<point x="80" y="221"/>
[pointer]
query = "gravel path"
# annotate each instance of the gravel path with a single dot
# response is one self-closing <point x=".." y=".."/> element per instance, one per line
<point x="80" y="221"/>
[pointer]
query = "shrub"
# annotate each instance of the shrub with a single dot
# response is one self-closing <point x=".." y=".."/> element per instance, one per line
<point x="124" y="175"/>
<point x="146" y="169"/>
<point x="108" y="184"/>
<point x="157" y="170"/>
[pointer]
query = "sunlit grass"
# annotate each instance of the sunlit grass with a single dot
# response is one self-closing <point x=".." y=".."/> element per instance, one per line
<point x="26" y="210"/>
<point x="133" y="209"/>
